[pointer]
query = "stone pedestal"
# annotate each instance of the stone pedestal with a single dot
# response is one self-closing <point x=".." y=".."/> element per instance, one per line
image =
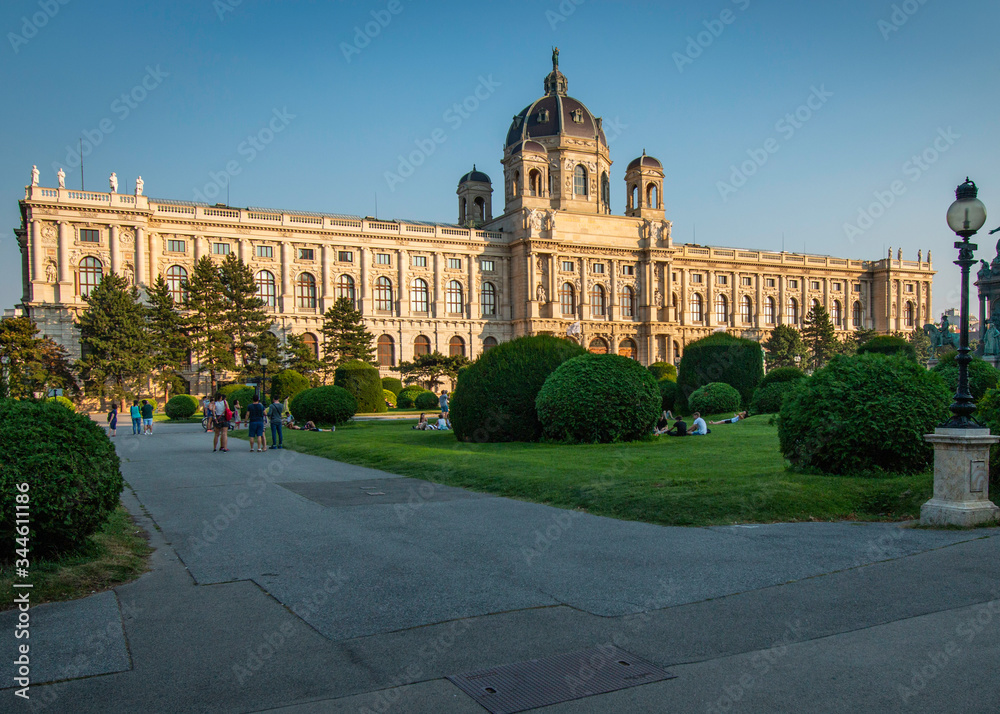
<point x="961" y="478"/>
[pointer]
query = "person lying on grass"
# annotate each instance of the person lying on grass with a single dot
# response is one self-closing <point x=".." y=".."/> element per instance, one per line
<point x="735" y="418"/>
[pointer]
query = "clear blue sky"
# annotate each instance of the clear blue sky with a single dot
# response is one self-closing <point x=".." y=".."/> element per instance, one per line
<point x="882" y="89"/>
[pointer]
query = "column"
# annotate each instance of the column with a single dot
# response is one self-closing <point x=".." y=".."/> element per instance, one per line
<point x="473" y="297"/>
<point x="532" y="294"/>
<point x="613" y="297"/>
<point x="154" y="257"/>
<point x="505" y="298"/>
<point x="241" y="250"/>
<point x="668" y="291"/>
<point x="735" y="307"/>
<point x="113" y="242"/>
<point x="286" y="279"/>
<point x="584" y="296"/>
<point x="899" y="304"/>
<point x="37" y="273"/>
<point x="140" y="257"/>
<point x="362" y="288"/>
<point x="437" y="312"/>
<point x="65" y="269"/>
<point x="553" y="283"/>
<point x="709" y="298"/>
<point x="781" y="317"/>
<point x="404" y="304"/>
<point x="196" y="248"/>
<point x="682" y="313"/>
<point x="759" y="302"/>
<point x="325" y="295"/>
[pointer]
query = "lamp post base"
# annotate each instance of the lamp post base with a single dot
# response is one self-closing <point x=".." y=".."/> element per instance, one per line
<point x="961" y="479"/>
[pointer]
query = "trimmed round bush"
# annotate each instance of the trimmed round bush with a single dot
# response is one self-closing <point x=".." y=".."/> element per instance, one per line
<point x="494" y="400"/>
<point x="71" y="469"/>
<point x="389" y="396"/>
<point x="362" y="380"/>
<point x="426" y="400"/>
<point x="244" y="396"/>
<point x="769" y="397"/>
<point x="988" y="414"/>
<point x="323" y="405"/>
<point x="227" y="390"/>
<point x="392" y="384"/>
<point x="720" y="357"/>
<point x="663" y="370"/>
<point x="181" y="406"/>
<point x="982" y="375"/>
<point x="863" y="415"/>
<point x="888" y="345"/>
<point x="286" y="384"/>
<point x="598" y="399"/>
<point x="670" y="393"/>
<point x="715" y="398"/>
<point x="782" y="374"/>
<point x="64" y="402"/>
<point x="406" y="398"/>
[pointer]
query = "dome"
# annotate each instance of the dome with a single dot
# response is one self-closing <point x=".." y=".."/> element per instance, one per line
<point x="645" y="160"/>
<point x="474" y="176"/>
<point x="529" y="147"/>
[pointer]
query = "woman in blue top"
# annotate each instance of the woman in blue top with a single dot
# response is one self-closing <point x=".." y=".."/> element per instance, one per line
<point x="133" y="412"/>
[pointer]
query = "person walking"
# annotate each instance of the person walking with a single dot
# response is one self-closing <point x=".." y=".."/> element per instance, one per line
<point x="220" y="424"/>
<point x="206" y="406"/>
<point x="236" y="412"/>
<point x="255" y="423"/>
<point x="146" y="411"/>
<point x="136" y="415"/>
<point x="443" y="402"/>
<point x="274" y="413"/>
<point x="113" y="420"/>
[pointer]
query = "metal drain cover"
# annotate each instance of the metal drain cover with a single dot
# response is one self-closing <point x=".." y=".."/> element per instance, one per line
<point x="562" y="678"/>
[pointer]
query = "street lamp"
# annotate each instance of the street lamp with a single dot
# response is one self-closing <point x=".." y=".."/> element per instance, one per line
<point x="263" y="385"/>
<point x="965" y="217"/>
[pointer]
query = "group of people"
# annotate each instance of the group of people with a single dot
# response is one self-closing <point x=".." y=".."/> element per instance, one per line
<point x="699" y="426"/>
<point x="141" y="415"/>
<point x="443" y="423"/>
<point x="222" y="415"/>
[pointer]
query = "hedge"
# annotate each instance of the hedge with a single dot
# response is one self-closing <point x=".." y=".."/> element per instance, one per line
<point x="244" y="395"/>
<point x="863" y="415"/>
<point x="389" y="396"/>
<point x="426" y="400"/>
<point x="663" y="370"/>
<point x="720" y="357"/>
<point x="670" y="393"/>
<point x="323" y="405"/>
<point x="362" y="380"/>
<point x="888" y="345"/>
<point x="598" y="399"/>
<point x="494" y="401"/>
<point x="286" y="384"/>
<point x="392" y="384"/>
<point x="70" y="467"/>
<point x="781" y="374"/>
<point x="769" y="397"/>
<point x="182" y="406"/>
<point x="982" y="375"/>
<point x="63" y="402"/>
<point x="405" y="399"/>
<point x="715" y="398"/>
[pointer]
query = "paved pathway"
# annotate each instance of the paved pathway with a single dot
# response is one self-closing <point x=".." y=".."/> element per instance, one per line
<point x="285" y="581"/>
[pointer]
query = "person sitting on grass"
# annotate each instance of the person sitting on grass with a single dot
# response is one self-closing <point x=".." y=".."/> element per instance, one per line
<point x="663" y="423"/>
<point x="680" y="428"/>
<point x="443" y="423"/>
<point x="422" y="424"/>
<point x="736" y="417"/>
<point x="700" y="428"/>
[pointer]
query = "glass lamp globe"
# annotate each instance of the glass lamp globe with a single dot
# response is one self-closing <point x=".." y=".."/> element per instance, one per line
<point x="263" y="360"/>
<point x="967" y="214"/>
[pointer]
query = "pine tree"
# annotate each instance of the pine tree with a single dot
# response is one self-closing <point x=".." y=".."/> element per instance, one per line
<point x="819" y="336"/>
<point x="782" y="347"/>
<point x="167" y="335"/>
<point x="429" y="368"/>
<point x="345" y="336"/>
<point x="296" y="354"/>
<point x="922" y="344"/>
<point x="31" y="363"/>
<point x="113" y="339"/>
<point x="205" y="304"/>
<point x="244" y="316"/>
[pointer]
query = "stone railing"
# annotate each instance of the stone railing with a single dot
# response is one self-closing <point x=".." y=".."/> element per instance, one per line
<point x="797" y="259"/>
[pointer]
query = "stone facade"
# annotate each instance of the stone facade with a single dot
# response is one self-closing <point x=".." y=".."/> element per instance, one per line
<point x="554" y="258"/>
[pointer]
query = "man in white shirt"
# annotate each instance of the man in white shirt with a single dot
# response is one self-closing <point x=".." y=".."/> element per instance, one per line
<point x="699" y="427"/>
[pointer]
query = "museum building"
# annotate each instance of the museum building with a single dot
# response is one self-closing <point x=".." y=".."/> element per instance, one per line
<point x="555" y="261"/>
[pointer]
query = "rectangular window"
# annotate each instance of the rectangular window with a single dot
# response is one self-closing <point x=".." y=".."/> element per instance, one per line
<point x="383" y="259"/>
<point x="220" y="248"/>
<point x="815" y="285"/>
<point x="673" y="276"/>
<point x="909" y="288"/>
<point x="695" y="277"/>
<point x="419" y="261"/>
<point x="265" y="251"/>
<point x="746" y="281"/>
<point x="722" y="279"/>
<point x="487" y="266"/>
<point x="836" y="287"/>
<point x="769" y="282"/>
<point x="857" y="287"/>
<point x="628" y="270"/>
<point x="345" y="256"/>
<point x="305" y="253"/>
<point x="455" y="263"/>
<point x="89" y="235"/>
<point x="793" y="283"/>
<point x="598" y="268"/>
<point x="567" y="266"/>
<point x="176" y="246"/>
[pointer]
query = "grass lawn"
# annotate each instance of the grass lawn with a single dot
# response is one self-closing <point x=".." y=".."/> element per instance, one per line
<point x="734" y="475"/>
<point x="114" y="555"/>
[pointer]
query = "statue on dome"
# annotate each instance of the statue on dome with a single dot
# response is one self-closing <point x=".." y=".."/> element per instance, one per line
<point x="555" y="58"/>
<point x="34" y="175"/>
<point x="61" y="175"/>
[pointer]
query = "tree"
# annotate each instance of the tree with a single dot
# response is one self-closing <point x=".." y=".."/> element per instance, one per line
<point x="922" y="344"/>
<point x="819" y="336"/>
<point x="113" y="339"/>
<point x="345" y="336"/>
<point x="243" y="314"/>
<point x="205" y="303"/>
<point x="167" y="335"/>
<point x="428" y="369"/>
<point x="782" y="347"/>
<point x="296" y="354"/>
<point x="55" y="370"/>
<point x="31" y="363"/>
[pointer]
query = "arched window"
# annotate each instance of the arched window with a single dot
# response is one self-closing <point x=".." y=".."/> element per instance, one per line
<point x="305" y="290"/>
<point x="453" y="297"/>
<point x="310" y="341"/>
<point x="386" y="351"/>
<point x="746" y="310"/>
<point x="908" y="314"/>
<point x="721" y="309"/>
<point x="627" y="349"/>
<point x="419" y="296"/>
<point x="769" y="312"/>
<point x="836" y="313"/>
<point x="598" y="302"/>
<point x="628" y="302"/>
<point x="177" y="277"/>
<point x="857" y="317"/>
<point x="567" y="302"/>
<point x="91" y="272"/>
<point x="534" y="183"/>
<point x="421" y="345"/>
<point x="345" y="288"/>
<point x="456" y="347"/>
<point x="651" y="197"/>
<point x="580" y="180"/>
<point x="633" y="200"/>
<point x="697" y="308"/>
<point x="598" y="346"/>
<point x="383" y="294"/>
<point x="606" y="192"/>
<point x="480" y="208"/>
<point x="488" y="299"/>
<point x="792" y="311"/>
<point x="489" y="343"/>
